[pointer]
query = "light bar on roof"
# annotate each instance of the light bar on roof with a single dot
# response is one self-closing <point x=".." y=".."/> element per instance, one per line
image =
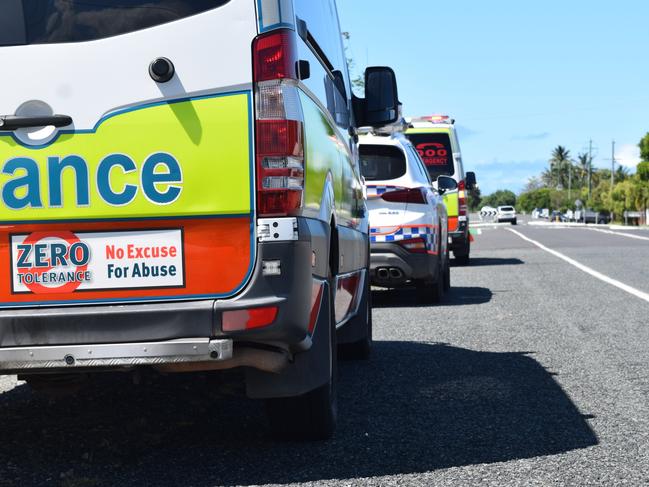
<point x="434" y="119"/>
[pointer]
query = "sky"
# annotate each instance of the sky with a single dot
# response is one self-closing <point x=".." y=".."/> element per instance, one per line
<point x="519" y="77"/>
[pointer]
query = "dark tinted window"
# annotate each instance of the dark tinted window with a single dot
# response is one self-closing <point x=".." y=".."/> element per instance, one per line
<point x="436" y="152"/>
<point x="55" y="21"/>
<point x="382" y="162"/>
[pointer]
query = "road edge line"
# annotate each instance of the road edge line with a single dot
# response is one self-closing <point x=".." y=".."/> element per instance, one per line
<point x="598" y="275"/>
<point x="611" y="232"/>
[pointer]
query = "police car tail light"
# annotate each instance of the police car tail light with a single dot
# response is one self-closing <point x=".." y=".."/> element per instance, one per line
<point x="462" y="208"/>
<point x="408" y="195"/>
<point x="414" y="245"/>
<point x="279" y="125"/>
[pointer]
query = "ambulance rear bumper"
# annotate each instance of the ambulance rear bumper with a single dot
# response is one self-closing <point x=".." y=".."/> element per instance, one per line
<point x="116" y="335"/>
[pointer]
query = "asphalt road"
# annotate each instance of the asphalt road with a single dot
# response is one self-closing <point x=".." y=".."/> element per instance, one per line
<point x="532" y="372"/>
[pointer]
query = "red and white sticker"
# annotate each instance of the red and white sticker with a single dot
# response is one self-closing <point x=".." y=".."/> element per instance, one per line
<point x="67" y="262"/>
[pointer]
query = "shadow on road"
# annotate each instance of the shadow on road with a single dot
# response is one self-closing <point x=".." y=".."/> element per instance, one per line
<point x="489" y="261"/>
<point x="407" y="297"/>
<point x="414" y="407"/>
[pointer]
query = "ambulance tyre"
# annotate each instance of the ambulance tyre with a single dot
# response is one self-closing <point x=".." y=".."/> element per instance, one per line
<point x="311" y="416"/>
<point x="462" y="256"/>
<point x="447" y="272"/>
<point x="361" y="324"/>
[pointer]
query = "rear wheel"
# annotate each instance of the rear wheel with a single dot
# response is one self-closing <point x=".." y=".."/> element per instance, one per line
<point x="462" y="255"/>
<point x="311" y="416"/>
<point x="447" y="273"/>
<point x="429" y="291"/>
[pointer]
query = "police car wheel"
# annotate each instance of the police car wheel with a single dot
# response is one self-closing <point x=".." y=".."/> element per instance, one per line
<point x="430" y="292"/>
<point x="311" y="416"/>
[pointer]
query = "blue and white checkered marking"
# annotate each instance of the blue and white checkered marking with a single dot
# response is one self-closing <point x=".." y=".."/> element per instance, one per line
<point x="404" y="233"/>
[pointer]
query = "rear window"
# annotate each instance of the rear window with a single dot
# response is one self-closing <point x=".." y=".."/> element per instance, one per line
<point x="56" y="21"/>
<point x="382" y="162"/>
<point x="506" y="208"/>
<point x="436" y="152"/>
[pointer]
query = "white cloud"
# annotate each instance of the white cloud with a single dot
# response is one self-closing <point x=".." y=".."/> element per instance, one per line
<point x="628" y="155"/>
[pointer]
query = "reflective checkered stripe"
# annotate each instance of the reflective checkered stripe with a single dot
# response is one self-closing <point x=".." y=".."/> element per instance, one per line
<point x="377" y="191"/>
<point x="379" y="235"/>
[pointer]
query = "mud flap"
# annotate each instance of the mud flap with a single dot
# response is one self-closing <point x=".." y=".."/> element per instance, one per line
<point x="308" y="371"/>
<point x="355" y="329"/>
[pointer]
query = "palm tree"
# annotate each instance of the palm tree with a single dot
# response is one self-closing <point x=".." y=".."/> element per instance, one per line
<point x="621" y="173"/>
<point x="583" y="163"/>
<point x="560" y="166"/>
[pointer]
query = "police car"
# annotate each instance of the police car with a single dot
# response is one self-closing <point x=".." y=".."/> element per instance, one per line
<point x="408" y="220"/>
<point x="181" y="191"/>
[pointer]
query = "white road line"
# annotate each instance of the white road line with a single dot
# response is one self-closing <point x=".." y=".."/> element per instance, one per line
<point x="613" y="282"/>
<point x="638" y="237"/>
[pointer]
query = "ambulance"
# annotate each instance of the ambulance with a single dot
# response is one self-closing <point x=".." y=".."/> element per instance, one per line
<point x="181" y="192"/>
<point x="435" y="138"/>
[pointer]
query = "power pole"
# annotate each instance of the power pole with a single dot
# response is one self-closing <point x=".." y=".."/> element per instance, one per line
<point x="612" y="175"/>
<point x="590" y="167"/>
<point x="612" y="166"/>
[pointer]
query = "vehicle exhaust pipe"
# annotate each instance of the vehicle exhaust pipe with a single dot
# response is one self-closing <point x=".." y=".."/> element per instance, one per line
<point x="396" y="273"/>
<point x="383" y="273"/>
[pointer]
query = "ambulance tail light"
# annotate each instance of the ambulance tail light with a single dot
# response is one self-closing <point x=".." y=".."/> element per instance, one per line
<point x="462" y="207"/>
<point x="248" y="319"/>
<point x="279" y="124"/>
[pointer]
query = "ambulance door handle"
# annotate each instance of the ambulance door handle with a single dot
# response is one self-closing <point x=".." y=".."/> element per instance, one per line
<point x="11" y="122"/>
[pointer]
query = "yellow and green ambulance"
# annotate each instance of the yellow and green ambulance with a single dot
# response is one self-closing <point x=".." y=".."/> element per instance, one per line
<point x="436" y="140"/>
<point x="181" y="191"/>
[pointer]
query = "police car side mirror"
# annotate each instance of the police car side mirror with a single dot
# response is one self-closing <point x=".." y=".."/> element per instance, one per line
<point x="380" y="106"/>
<point x="446" y="183"/>
<point x="470" y="180"/>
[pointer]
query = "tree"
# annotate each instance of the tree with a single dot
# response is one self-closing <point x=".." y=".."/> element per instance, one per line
<point x="622" y="173"/>
<point x="644" y="148"/>
<point x="560" y="166"/>
<point x="583" y="162"/>
<point x="642" y="171"/>
<point x="537" y="198"/>
<point x="502" y="197"/>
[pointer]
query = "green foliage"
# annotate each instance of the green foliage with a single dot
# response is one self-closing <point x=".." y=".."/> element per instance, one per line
<point x="644" y="148"/>
<point x="501" y="197"/>
<point x="536" y="198"/>
<point x="642" y="171"/>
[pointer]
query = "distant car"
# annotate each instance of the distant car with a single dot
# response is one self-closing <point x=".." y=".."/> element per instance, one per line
<point x="506" y="214"/>
<point x="545" y="213"/>
<point x="600" y="217"/>
<point x="536" y="213"/>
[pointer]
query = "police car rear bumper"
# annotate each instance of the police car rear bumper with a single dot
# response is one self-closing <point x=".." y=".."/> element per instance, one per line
<point x="392" y="265"/>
